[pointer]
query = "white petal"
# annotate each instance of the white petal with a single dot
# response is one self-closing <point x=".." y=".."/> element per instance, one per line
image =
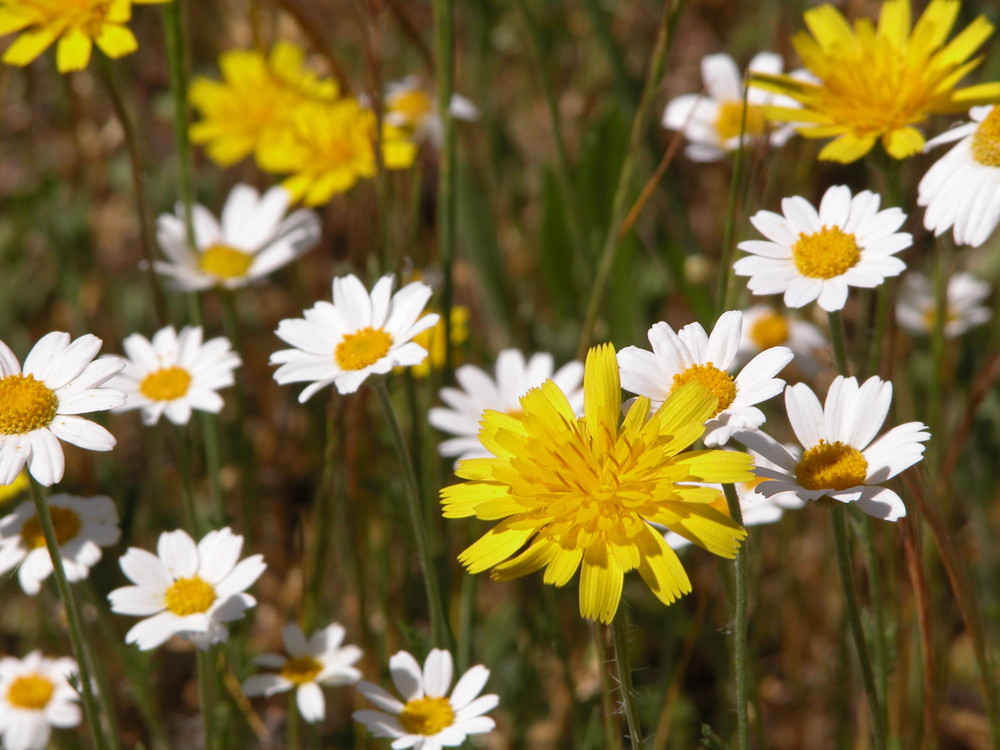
<point x="309" y="698"/>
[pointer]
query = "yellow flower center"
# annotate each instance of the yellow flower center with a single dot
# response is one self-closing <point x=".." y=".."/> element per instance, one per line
<point x="301" y="669"/>
<point x="225" y="262"/>
<point x="189" y="596"/>
<point x="717" y="382"/>
<point x="31" y="692"/>
<point x="729" y="121"/>
<point x="986" y="140"/>
<point x="833" y="466"/>
<point x="770" y="329"/>
<point x="65" y="521"/>
<point x="362" y="348"/>
<point x="166" y="384"/>
<point x="825" y="254"/>
<point x="413" y="105"/>
<point x="26" y="404"/>
<point x="427" y="716"/>
<point x="930" y="317"/>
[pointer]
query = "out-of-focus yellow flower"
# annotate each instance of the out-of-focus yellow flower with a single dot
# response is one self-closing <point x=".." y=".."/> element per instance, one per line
<point x="329" y="147"/>
<point x="878" y="82"/>
<point x="433" y="341"/>
<point x="255" y="101"/>
<point x="9" y="491"/>
<point x="77" y="24"/>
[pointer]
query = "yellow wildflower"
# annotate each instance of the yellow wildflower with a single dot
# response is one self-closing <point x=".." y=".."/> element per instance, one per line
<point x="255" y="102"/>
<point x="876" y="83"/>
<point x="581" y="492"/>
<point x="10" y="491"/>
<point x="432" y="340"/>
<point x="77" y="24"/>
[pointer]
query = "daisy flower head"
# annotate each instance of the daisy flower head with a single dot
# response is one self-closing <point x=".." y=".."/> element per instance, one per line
<point x="36" y="695"/>
<point x="175" y="373"/>
<point x="479" y="391"/>
<point x="428" y="718"/>
<point x="82" y="524"/>
<point x="916" y="309"/>
<point x="78" y="26"/>
<point x="358" y="335"/>
<point x="692" y="355"/>
<point x="840" y="458"/>
<point x="311" y="663"/>
<point x="764" y="327"/>
<point x="961" y="190"/>
<point x="255" y="101"/>
<point x="575" y="492"/>
<point x="877" y="83"/>
<point x="327" y="148"/>
<point x="255" y="237"/>
<point x="39" y="404"/>
<point x="186" y="589"/>
<point x="816" y="255"/>
<point x="712" y="121"/>
<point x="409" y="107"/>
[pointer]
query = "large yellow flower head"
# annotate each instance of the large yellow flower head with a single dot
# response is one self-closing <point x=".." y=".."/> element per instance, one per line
<point x="581" y="492"/>
<point x="329" y="147"/>
<point x="77" y="24"/>
<point x="878" y="82"/>
<point x="255" y="102"/>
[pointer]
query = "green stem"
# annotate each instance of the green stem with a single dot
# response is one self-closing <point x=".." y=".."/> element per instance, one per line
<point x="878" y="597"/>
<point x="206" y="694"/>
<point x="185" y="464"/>
<point x="839" y="339"/>
<point x="244" y="446"/>
<point x="623" y="672"/>
<point x="325" y="510"/>
<point x="621" y="201"/>
<point x="213" y="467"/>
<point x="726" y="257"/>
<point x="439" y="621"/>
<point x="173" y="16"/>
<point x="740" y="655"/>
<point x="444" y="32"/>
<point x="854" y="619"/>
<point x="942" y="267"/>
<point x="293" y="739"/>
<point x="89" y="690"/>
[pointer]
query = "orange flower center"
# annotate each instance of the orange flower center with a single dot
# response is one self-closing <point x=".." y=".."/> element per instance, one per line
<point x="166" y="384"/>
<point x="730" y="121"/>
<point x="65" y="521"/>
<point x="986" y="140"/>
<point x="26" y="404"/>
<point x="31" y="692"/>
<point x="189" y="596"/>
<point x="362" y="348"/>
<point x="717" y="382"/>
<point x="833" y="466"/>
<point x="225" y="262"/>
<point x="770" y="329"/>
<point x="825" y="254"/>
<point x="301" y="669"/>
<point x="427" y="716"/>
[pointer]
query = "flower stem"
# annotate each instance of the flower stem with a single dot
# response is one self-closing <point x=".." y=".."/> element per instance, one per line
<point x="854" y="619"/>
<point x="839" y="339"/>
<point x="623" y="672"/>
<point x="193" y="518"/>
<point x="89" y="690"/>
<point x="444" y="33"/>
<point x="740" y="656"/>
<point x="439" y="621"/>
<point x="726" y="260"/>
<point x="323" y="520"/>
<point x="293" y="740"/>
<point x="206" y="694"/>
<point x="173" y="16"/>
<point x="213" y="467"/>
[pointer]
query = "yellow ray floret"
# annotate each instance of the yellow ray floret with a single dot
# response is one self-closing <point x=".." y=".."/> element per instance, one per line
<point x="77" y="25"/>
<point x="878" y="83"/>
<point x="579" y="493"/>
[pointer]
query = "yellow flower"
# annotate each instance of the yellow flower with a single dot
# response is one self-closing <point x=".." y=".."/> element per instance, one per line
<point x="10" y="491"/>
<point x="582" y="492"/>
<point x="255" y="101"/>
<point x="877" y="83"/>
<point x="432" y="340"/>
<point x="329" y="147"/>
<point x="77" y="24"/>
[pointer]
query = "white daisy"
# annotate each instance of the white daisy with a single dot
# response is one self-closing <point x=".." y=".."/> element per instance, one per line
<point x="175" y="373"/>
<point x="409" y="107"/>
<point x="35" y="695"/>
<point x="811" y="255"/>
<point x="916" y="308"/>
<point x="711" y="121"/>
<point x="429" y="719"/>
<point x="840" y="461"/>
<point x="756" y="508"/>
<point x="690" y="354"/>
<point x="311" y="663"/>
<point x="186" y="590"/>
<point x="253" y="239"/>
<point x="961" y="190"/>
<point x="360" y="334"/>
<point x="82" y="524"/>
<point x="38" y="406"/>
<point x="480" y="391"/>
<point x="764" y="327"/>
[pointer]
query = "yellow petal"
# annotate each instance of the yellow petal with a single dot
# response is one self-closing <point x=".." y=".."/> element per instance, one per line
<point x="902" y="143"/>
<point x="828" y="26"/>
<point x="536" y="556"/>
<point x="719" y="466"/>
<point x="965" y="43"/>
<point x="600" y="585"/>
<point x="982" y="93"/>
<point x="29" y="45"/>
<point x="602" y="396"/>
<point x="13" y="20"/>
<point x="707" y="528"/>
<point x="682" y="416"/>
<point x="495" y="546"/>
<point x="894" y="21"/>
<point x="935" y="24"/>
<point x="461" y="500"/>
<point x="848" y="148"/>
<point x="73" y="51"/>
<point x="117" y="41"/>
<point x="562" y="566"/>
<point x="661" y="569"/>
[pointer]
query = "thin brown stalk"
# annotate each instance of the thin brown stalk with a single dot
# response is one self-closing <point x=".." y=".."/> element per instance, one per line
<point x="981" y="387"/>
<point x="925" y="623"/>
